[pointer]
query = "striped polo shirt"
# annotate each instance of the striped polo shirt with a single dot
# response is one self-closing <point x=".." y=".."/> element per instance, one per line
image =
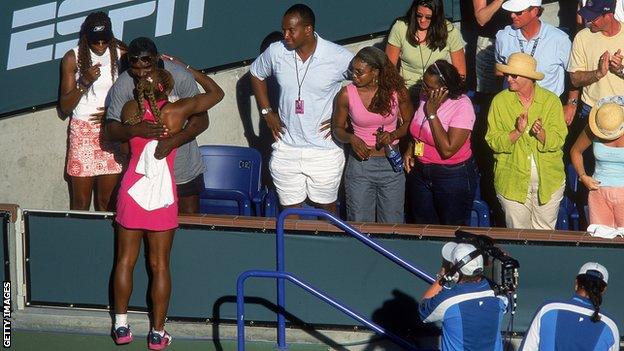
<point x="471" y="316"/>
<point x="566" y="325"/>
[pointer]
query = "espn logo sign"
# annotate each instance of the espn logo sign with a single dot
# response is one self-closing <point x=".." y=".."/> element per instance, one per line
<point x="67" y="16"/>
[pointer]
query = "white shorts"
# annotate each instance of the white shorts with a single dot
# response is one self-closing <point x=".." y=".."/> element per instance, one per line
<point x="300" y="173"/>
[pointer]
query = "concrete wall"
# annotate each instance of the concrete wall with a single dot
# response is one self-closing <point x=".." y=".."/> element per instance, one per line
<point x="34" y="144"/>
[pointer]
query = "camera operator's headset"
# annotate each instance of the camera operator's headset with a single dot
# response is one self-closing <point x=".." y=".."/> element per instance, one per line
<point x="452" y="276"/>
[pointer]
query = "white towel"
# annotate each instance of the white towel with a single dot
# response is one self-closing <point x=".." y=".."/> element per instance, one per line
<point x="604" y="231"/>
<point x="154" y="189"/>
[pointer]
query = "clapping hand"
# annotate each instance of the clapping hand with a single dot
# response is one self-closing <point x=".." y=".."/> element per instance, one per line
<point x="521" y="123"/>
<point x="615" y="63"/>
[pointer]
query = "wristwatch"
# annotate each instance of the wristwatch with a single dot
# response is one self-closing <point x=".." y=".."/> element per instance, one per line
<point x="265" y="111"/>
<point x="431" y="117"/>
<point x="573" y="101"/>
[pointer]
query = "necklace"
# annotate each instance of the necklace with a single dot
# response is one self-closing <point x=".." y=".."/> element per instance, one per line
<point x="422" y="60"/>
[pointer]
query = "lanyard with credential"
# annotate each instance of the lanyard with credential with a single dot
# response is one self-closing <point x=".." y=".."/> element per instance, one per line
<point x="534" y="46"/>
<point x="299" y="102"/>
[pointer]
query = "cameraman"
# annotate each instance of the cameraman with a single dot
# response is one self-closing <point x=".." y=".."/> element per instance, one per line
<point x="577" y="323"/>
<point x="471" y="314"/>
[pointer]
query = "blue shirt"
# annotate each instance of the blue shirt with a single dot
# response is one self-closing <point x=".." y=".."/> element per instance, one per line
<point x="320" y="77"/>
<point x="552" y="52"/>
<point x="609" y="164"/>
<point x="566" y="325"/>
<point x="471" y="316"/>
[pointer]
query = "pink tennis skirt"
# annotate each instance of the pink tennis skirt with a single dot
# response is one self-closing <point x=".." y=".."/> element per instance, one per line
<point x="88" y="155"/>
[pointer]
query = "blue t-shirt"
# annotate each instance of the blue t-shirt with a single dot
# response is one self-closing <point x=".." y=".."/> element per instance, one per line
<point x="566" y="325"/>
<point x="471" y="316"/>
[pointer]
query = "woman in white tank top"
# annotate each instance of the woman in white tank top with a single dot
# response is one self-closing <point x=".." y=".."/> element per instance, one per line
<point x="87" y="74"/>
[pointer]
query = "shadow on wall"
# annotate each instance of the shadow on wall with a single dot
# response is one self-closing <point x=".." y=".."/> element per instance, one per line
<point x="263" y="140"/>
<point x="399" y="315"/>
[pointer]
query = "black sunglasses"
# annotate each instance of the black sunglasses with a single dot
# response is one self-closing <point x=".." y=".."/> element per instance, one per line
<point x="420" y="15"/>
<point x="144" y="59"/>
<point x="513" y="76"/>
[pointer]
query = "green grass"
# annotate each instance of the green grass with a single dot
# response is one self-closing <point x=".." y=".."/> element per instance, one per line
<point x="32" y="341"/>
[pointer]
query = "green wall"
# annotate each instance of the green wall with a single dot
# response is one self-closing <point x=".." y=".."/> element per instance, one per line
<point x="206" y="262"/>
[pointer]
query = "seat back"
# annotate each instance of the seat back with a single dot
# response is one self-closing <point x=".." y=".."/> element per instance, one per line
<point x="229" y="168"/>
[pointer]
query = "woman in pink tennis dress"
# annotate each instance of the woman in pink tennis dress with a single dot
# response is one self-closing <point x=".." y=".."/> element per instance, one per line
<point x="147" y="201"/>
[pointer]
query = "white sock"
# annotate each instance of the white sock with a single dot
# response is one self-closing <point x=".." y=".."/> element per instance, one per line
<point x="121" y="320"/>
<point x="159" y="332"/>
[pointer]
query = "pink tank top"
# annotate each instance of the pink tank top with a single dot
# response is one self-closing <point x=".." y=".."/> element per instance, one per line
<point x="366" y="123"/>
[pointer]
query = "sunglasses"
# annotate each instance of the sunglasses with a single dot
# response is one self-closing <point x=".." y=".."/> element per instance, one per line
<point x="144" y="59"/>
<point x="513" y="76"/>
<point x="420" y="15"/>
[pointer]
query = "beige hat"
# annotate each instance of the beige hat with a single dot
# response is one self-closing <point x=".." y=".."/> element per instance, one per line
<point x="607" y="121"/>
<point x="521" y="64"/>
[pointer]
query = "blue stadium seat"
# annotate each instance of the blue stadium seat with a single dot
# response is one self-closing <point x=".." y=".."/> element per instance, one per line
<point x="232" y="181"/>
<point x="570" y="197"/>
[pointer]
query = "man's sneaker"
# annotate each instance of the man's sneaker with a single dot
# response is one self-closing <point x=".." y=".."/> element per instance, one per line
<point x="157" y="342"/>
<point x="122" y="335"/>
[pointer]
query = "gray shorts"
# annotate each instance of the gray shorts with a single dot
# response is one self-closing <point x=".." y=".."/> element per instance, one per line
<point x="374" y="192"/>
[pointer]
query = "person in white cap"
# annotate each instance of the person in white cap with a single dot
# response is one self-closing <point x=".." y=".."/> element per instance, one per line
<point x="575" y="324"/>
<point x="605" y="133"/>
<point x="549" y="46"/>
<point x="471" y="314"/>
<point x="526" y="132"/>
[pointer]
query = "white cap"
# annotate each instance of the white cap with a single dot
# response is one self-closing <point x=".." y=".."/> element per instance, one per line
<point x="520" y="5"/>
<point x="462" y="250"/>
<point x="447" y="251"/>
<point x="596" y="270"/>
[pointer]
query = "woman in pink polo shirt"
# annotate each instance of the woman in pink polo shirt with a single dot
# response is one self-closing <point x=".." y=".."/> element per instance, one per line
<point x="372" y="105"/>
<point x="442" y="175"/>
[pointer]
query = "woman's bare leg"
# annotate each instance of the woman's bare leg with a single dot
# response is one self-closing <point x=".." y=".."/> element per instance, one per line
<point x="159" y="251"/>
<point x="127" y="252"/>
<point x="106" y="186"/>
<point x="81" y="190"/>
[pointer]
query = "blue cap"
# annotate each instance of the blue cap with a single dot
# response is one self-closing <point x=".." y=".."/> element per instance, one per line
<point x="595" y="8"/>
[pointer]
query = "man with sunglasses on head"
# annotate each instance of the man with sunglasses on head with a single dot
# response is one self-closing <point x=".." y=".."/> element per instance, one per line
<point x="143" y="58"/>
<point x="549" y="46"/>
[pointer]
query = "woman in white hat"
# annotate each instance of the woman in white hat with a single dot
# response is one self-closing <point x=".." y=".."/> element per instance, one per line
<point x="526" y="132"/>
<point x="604" y="132"/>
<point x="576" y="323"/>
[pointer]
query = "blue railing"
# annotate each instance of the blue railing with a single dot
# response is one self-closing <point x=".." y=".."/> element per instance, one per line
<point x="240" y="307"/>
<point x="280" y="267"/>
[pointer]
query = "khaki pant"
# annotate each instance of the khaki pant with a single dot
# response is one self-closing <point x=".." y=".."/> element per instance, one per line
<point x="530" y="214"/>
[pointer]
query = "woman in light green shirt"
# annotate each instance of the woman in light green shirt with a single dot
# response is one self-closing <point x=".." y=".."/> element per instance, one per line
<point x="422" y="37"/>
<point x="526" y="132"/>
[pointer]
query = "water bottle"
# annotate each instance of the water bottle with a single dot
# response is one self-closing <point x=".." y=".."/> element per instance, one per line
<point x="393" y="155"/>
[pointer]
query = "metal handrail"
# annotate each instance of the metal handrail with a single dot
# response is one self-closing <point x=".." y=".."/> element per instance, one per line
<point x="240" y="306"/>
<point x="280" y="265"/>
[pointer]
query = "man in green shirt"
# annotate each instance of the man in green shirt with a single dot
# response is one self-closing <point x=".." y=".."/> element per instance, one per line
<point x="526" y="132"/>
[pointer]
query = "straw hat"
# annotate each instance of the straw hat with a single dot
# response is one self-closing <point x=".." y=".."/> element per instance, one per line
<point x="607" y="121"/>
<point x="521" y="64"/>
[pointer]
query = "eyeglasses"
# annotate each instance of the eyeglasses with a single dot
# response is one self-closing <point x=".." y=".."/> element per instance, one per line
<point x="144" y="59"/>
<point x="356" y="73"/>
<point x="420" y="15"/>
